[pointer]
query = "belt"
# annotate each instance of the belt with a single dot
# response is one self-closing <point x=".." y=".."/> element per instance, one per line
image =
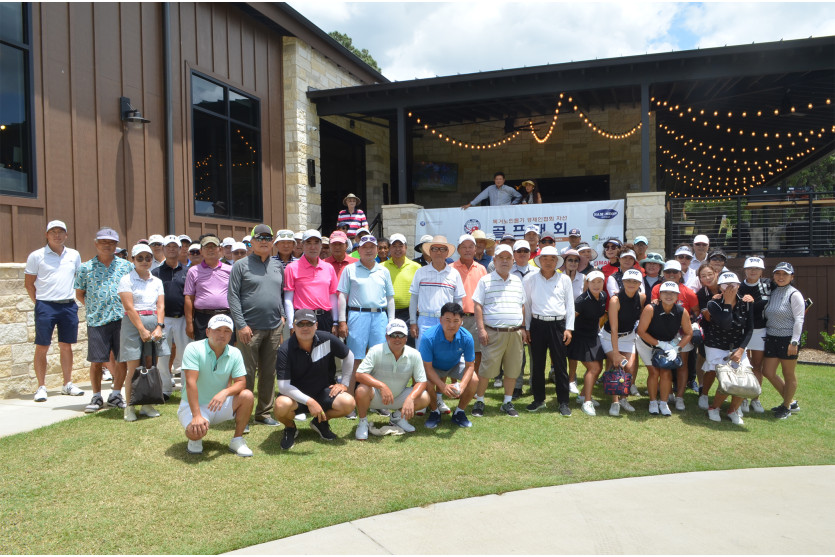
<point x="372" y="310"/>
<point x="146" y="312"/>
<point x="548" y="317"/>
<point x="469" y="315"/>
<point x="427" y="314"/>
<point x="505" y="329"/>
<point x="620" y="334"/>
<point x="212" y="311"/>
<point x="67" y="301"/>
<point x="175" y="316"/>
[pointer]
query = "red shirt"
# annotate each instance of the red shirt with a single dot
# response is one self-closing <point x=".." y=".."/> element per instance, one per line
<point x="339" y="265"/>
<point x="685" y="295"/>
<point x="608" y="270"/>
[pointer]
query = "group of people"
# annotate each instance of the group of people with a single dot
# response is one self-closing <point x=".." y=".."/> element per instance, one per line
<point x="346" y="335"/>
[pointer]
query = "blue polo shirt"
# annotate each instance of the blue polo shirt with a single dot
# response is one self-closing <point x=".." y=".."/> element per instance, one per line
<point x="443" y="354"/>
<point x="364" y="287"/>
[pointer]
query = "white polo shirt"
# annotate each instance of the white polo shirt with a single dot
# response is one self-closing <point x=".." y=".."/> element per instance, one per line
<point x="435" y="288"/>
<point x="55" y="273"/>
<point x="553" y="297"/>
<point x="145" y="292"/>
<point x="501" y="300"/>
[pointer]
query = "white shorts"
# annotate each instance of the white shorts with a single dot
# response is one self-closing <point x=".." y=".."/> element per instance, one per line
<point x="757" y="340"/>
<point x="396" y="404"/>
<point x="223" y="415"/>
<point x="626" y="343"/>
<point x="716" y="356"/>
<point x="644" y="351"/>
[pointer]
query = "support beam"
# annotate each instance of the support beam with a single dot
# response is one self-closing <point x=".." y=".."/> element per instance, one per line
<point x="645" y="136"/>
<point x="401" y="155"/>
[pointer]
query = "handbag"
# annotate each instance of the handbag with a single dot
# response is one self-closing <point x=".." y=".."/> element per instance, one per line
<point x="660" y="360"/>
<point x="616" y="382"/>
<point x="146" y="384"/>
<point x="738" y="380"/>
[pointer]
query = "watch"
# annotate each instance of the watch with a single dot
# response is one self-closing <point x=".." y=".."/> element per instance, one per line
<point x="161" y="325"/>
<point x="794" y="343"/>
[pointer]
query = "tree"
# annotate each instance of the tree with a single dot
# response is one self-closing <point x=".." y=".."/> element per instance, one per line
<point x="363" y="54"/>
<point x="819" y="176"/>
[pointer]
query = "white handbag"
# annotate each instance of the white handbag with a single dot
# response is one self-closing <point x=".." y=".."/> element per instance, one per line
<point x="738" y="380"/>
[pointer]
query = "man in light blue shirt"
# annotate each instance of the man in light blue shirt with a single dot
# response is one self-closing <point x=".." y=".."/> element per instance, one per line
<point x="498" y="193"/>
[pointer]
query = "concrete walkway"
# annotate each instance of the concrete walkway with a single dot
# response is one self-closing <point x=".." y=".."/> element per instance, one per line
<point x="755" y="511"/>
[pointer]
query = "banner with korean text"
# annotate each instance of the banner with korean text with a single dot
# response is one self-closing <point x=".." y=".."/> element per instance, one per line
<point x="597" y="220"/>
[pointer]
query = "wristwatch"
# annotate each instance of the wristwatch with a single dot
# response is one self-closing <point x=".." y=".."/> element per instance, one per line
<point x="794" y="343"/>
<point x="161" y="325"/>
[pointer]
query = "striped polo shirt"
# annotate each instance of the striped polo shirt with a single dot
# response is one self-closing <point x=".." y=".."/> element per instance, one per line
<point x="501" y="300"/>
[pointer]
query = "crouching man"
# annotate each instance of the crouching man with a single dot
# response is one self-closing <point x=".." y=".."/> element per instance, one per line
<point x="215" y="391"/>
<point x="383" y="378"/>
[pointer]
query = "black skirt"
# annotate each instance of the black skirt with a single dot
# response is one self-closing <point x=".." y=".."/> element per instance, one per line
<point x="585" y="349"/>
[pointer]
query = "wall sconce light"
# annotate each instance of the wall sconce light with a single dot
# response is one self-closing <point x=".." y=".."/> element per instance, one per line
<point x="131" y="114"/>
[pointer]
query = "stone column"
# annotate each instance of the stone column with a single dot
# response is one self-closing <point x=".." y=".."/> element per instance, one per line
<point x="401" y="218"/>
<point x="646" y="215"/>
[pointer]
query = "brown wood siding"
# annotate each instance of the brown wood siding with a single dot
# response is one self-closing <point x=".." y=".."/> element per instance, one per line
<point x="91" y="170"/>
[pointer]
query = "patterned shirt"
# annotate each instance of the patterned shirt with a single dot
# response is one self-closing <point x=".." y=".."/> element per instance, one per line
<point x="355" y="221"/>
<point x="501" y="300"/>
<point x="100" y="284"/>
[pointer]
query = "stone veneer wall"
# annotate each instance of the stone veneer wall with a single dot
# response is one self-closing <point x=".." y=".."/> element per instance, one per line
<point x="401" y="218"/>
<point x="572" y="150"/>
<point x="646" y="215"/>
<point x="306" y="68"/>
<point x="17" y="336"/>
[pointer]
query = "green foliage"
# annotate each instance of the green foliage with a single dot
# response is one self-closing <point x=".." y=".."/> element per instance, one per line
<point x="803" y="339"/>
<point x="819" y="176"/>
<point x="828" y="344"/>
<point x="348" y="43"/>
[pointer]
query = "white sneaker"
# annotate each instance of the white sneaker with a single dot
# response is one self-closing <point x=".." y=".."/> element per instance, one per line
<point x="704" y="403"/>
<point x="713" y="414"/>
<point x="40" y="394"/>
<point x="572" y="388"/>
<point x="195" y="447"/>
<point x="671" y="398"/>
<point x="614" y="409"/>
<point x="362" y="429"/>
<point x="351" y="416"/>
<point x="757" y="406"/>
<point x="302" y="417"/>
<point x="71" y="390"/>
<point x="736" y="417"/>
<point x="238" y="446"/>
<point x="422" y="411"/>
<point x="633" y="390"/>
<point x="107" y="376"/>
<point x="130" y="415"/>
<point x="653" y="407"/>
<point x="588" y="408"/>
<point x="581" y="399"/>
<point x="148" y="410"/>
<point x="442" y="408"/>
<point x="679" y="404"/>
<point x="498" y="382"/>
<point x="624" y="404"/>
<point x="664" y="408"/>
<point x="746" y="406"/>
<point x="403" y="424"/>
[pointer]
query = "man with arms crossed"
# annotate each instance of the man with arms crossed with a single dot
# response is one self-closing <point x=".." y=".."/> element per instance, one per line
<point x="402" y="271"/>
<point x="172" y="273"/>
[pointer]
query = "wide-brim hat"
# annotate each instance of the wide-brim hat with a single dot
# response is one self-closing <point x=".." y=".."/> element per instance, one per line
<point x="351" y="196"/>
<point x="424" y="248"/>
<point x="480" y="235"/>
<point x="549" y="250"/>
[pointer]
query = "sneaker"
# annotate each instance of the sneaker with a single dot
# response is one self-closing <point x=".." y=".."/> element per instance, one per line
<point x="694" y="386"/>
<point x="361" y="433"/>
<point x="352" y="415"/>
<point x="288" y="438"/>
<point x="713" y="414"/>
<point x="40" y="394"/>
<point x="498" y="382"/>
<point x="420" y="412"/>
<point x="301" y="417"/>
<point x="115" y="400"/>
<point x="535" y="406"/>
<point x="433" y="420"/>
<point x="653" y="407"/>
<point x="238" y="446"/>
<point x="71" y="390"/>
<point x="508" y="409"/>
<point x="671" y="398"/>
<point x="745" y="407"/>
<point x="565" y="410"/>
<point x="443" y="408"/>
<point x="130" y="415"/>
<point x="194" y="447"/>
<point x="704" y="403"/>
<point x="107" y="376"/>
<point x="149" y="411"/>
<point x="664" y="408"/>
<point x="588" y="408"/>
<point x="581" y="399"/>
<point x="246" y="429"/>
<point x="736" y="417"/>
<point x="781" y="412"/>
<point x="794" y="407"/>
<point x="397" y="419"/>
<point x="625" y="405"/>
<point x="460" y="419"/>
<point x="757" y="406"/>
<point x="266" y="421"/>
<point x="323" y="429"/>
<point x="633" y="390"/>
<point x="679" y="404"/>
<point x="96" y="404"/>
<point x="572" y="388"/>
<point x="614" y="409"/>
<point x="517" y="394"/>
<point x="383" y="412"/>
<point x="478" y="408"/>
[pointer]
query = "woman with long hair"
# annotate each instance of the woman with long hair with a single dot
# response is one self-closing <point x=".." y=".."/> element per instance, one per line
<point x="530" y="193"/>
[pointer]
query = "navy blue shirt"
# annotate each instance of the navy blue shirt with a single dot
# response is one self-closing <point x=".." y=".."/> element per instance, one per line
<point x="443" y="354"/>
<point x="173" y="283"/>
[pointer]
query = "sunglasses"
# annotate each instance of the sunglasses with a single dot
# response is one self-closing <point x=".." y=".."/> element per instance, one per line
<point x="284" y="236"/>
<point x="156" y="245"/>
<point x="263" y="238"/>
<point x="682" y="256"/>
<point x="523" y="250"/>
<point x="717" y="258"/>
<point x="194" y="252"/>
<point x="305" y="324"/>
<point x="572" y="260"/>
<point x="610" y="246"/>
<point x="142" y="259"/>
<point x="438" y="249"/>
<point x="397" y="336"/>
<point x="547" y="241"/>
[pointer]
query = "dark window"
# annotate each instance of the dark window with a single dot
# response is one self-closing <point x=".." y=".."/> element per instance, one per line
<point x="15" y="120"/>
<point x="227" y="151"/>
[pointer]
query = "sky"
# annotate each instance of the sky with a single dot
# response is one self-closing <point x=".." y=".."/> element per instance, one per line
<point x="426" y="39"/>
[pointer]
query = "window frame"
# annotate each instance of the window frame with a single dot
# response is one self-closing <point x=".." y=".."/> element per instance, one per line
<point x="229" y="122"/>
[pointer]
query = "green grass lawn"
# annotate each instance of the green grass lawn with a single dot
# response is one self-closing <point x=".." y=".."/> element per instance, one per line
<point x="96" y="484"/>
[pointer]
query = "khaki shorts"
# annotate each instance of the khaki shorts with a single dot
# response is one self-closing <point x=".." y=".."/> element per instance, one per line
<point x="503" y="351"/>
<point x="469" y="324"/>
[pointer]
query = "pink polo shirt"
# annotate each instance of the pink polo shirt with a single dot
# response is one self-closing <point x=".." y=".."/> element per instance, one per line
<point x="208" y="285"/>
<point x="312" y="285"/>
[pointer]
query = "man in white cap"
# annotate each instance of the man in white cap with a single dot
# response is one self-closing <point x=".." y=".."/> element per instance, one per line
<point x="48" y="280"/>
<point x="402" y="271"/>
<point x="549" y="323"/>
<point x="383" y="380"/>
<point x="215" y="387"/>
<point x="433" y="286"/>
<point x="701" y="247"/>
<point x="173" y="276"/>
<point x="640" y="245"/>
<point x="689" y="277"/>
<point x="226" y="245"/>
<point x="96" y="284"/>
<point x="155" y="241"/>
<point x="298" y="237"/>
<point x="532" y="232"/>
<point x="239" y="250"/>
<point x="185" y="247"/>
<point x="310" y="283"/>
<point x="284" y="244"/>
<point x="499" y="301"/>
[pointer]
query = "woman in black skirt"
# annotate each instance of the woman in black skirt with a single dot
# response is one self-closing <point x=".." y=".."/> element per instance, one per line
<point x="585" y="346"/>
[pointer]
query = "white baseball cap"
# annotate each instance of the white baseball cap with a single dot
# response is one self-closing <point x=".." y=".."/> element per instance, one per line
<point x="397" y="237"/>
<point x="669" y="286"/>
<point x="171" y="239"/>
<point x="672" y="265"/>
<point x="311" y="233"/>
<point x="701" y="239"/>
<point x="238" y="246"/>
<point x="220" y="320"/>
<point x="726" y="278"/>
<point x="140" y="248"/>
<point x="466" y="238"/>
<point x="521" y="244"/>
<point x="228" y="241"/>
<point x="397" y="326"/>
<point x="156" y="239"/>
<point x="56" y="224"/>
<point x="755" y="262"/>
<point x="595" y="275"/>
<point x="684" y="250"/>
<point x="633" y="274"/>
<point x="502" y="248"/>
